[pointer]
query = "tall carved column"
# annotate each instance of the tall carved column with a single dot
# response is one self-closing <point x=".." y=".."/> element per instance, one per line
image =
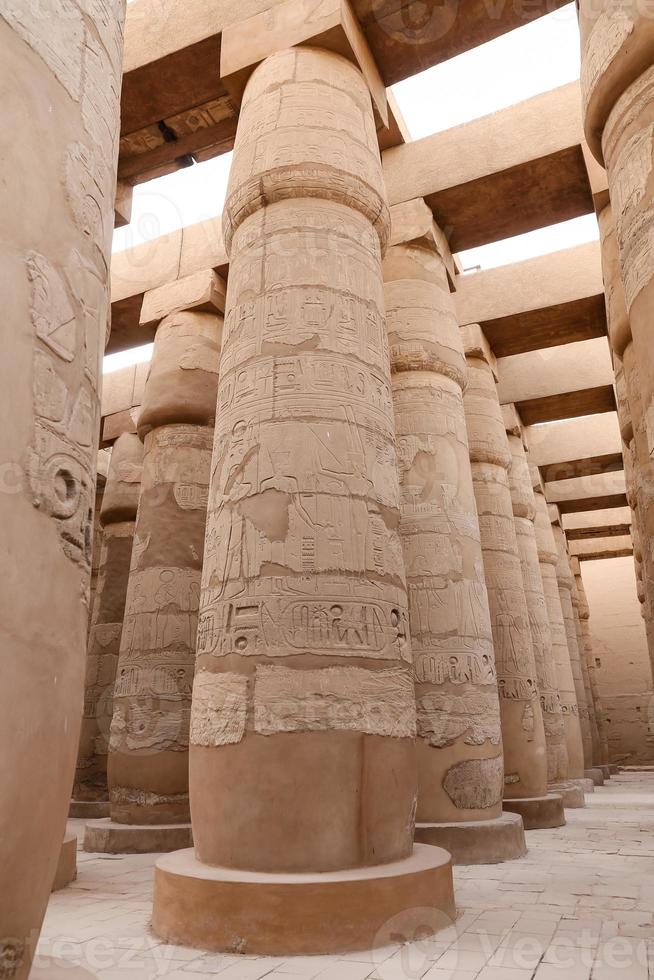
<point x="550" y="812"/>
<point x="595" y="771"/>
<point x="56" y="202"/>
<point x="565" y="580"/>
<point x="617" y="44"/>
<point x="523" y="733"/>
<point x="303" y="702"/>
<point x="584" y="617"/>
<point x="572" y="789"/>
<point x="459" y="747"/>
<point x="117" y="517"/>
<point x="148" y="749"/>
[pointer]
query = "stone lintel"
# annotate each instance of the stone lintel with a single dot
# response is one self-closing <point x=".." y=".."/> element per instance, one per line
<point x="590" y="520"/>
<point x="114" y="425"/>
<point x="330" y="24"/>
<point x="593" y="548"/>
<point x="202" y="292"/>
<point x="413" y="222"/>
<point x="123" y="204"/>
<point x="475" y="344"/>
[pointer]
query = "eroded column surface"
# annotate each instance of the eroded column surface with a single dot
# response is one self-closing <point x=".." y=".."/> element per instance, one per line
<point x="602" y="746"/>
<point x="56" y="201"/>
<point x="459" y="748"/>
<point x="117" y="516"/>
<point x="525" y="760"/>
<point x="524" y="515"/>
<point x="548" y="557"/>
<point x="303" y="705"/>
<point x="566" y="582"/>
<point x="148" y="752"/>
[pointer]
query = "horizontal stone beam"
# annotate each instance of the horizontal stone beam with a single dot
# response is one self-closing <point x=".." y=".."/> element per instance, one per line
<point x="554" y="371"/>
<point x="543" y="302"/>
<point x="586" y="466"/>
<point x="606" y="484"/>
<point x="609" y="547"/>
<point x="500" y="175"/>
<point x="567" y="405"/>
<point x="598" y="531"/>
<point x="573" y="439"/>
<point x="612" y="517"/>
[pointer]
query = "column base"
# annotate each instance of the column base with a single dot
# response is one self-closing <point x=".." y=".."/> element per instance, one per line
<point x="538" y="812"/>
<point x="67" y="864"/>
<point x="596" y="774"/>
<point x="477" y="841"/>
<point x="109" y="837"/>
<point x="613" y="770"/>
<point x="89" y="809"/>
<point x="572" y="792"/>
<point x="228" y="910"/>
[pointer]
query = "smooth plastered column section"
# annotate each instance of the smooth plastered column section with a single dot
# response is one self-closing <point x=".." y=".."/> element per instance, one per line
<point x="548" y="557"/>
<point x="117" y="517"/>
<point x="525" y="761"/>
<point x="56" y="201"/>
<point x="524" y="512"/>
<point x="459" y="746"/>
<point x="148" y="754"/>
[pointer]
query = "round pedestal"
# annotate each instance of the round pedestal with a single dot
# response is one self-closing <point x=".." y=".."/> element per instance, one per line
<point x="538" y="812"/>
<point x="89" y="809"/>
<point x="228" y="910"/>
<point x="67" y="864"/>
<point x="572" y="792"/>
<point x="587" y="785"/>
<point x="478" y="841"/>
<point x="124" y="838"/>
<point x="609" y="771"/>
<point x="596" y="775"/>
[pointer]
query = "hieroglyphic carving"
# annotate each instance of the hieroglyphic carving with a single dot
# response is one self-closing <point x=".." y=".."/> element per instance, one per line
<point x="445" y="718"/>
<point x="376" y="702"/>
<point x="476" y="784"/>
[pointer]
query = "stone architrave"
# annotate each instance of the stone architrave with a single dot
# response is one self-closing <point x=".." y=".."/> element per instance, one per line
<point x="459" y="745"/>
<point x="524" y="515"/>
<point x="303" y="703"/>
<point x="148" y="748"/>
<point x="617" y="84"/>
<point x="60" y="79"/>
<point x="584" y="617"/>
<point x="523" y="732"/>
<point x="565" y="579"/>
<point x="572" y="788"/>
<point x="117" y="517"/>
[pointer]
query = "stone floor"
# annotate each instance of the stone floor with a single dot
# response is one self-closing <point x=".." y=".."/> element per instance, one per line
<point x="579" y="906"/>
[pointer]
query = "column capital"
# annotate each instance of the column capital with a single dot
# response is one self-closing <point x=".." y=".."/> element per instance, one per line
<point x="412" y="223"/>
<point x="203" y="292"/>
<point x="331" y="24"/>
<point x="475" y="344"/>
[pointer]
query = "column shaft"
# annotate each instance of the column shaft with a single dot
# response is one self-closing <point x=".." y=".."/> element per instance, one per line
<point x="549" y="558"/>
<point x="460" y="767"/>
<point x="117" y="516"/>
<point x="303" y="704"/>
<point x="525" y="761"/>
<point x="60" y="81"/>
<point x="524" y="510"/>
<point x="148" y="754"/>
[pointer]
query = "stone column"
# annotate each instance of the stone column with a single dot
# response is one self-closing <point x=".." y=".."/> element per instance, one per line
<point x="148" y="749"/>
<point x="572" y="789"/>
<point x="303" y="703"/>
<point x="617" y="79"/>
<point x="523" y="733"/>
<point x="60" y="79"/>
<point x="565" y="581"/>
<point x="595" y="772"/>
<point x="602" y="758"/>
<point x="459" y="747"/>
<point x="551" y="813"/>
<point x="117" y="516"/>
